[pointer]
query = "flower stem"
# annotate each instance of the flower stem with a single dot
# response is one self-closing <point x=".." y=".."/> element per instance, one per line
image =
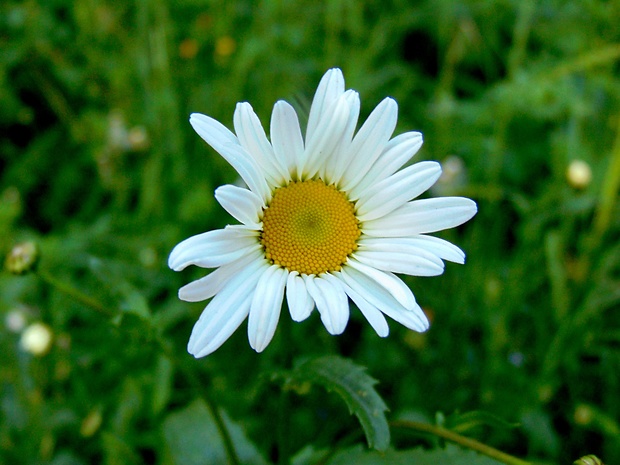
<point x="198" y="386"/>
<point x="284" y="408"/>
<point x="284" y="453"/>
<point x="461" y="440"/>
<point x="608" y="197"/>
<point x="75" y="294"/>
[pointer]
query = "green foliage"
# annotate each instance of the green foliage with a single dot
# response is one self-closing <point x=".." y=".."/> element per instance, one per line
<point x="355" y="387"/>
<point x="193" y="438"/>
<point x="100" y="169"/>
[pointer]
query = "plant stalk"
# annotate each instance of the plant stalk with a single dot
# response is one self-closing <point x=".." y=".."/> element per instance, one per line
<point x="75" y="294"/>
<point x="460" y="440"/>
<point x="284" y="408"/>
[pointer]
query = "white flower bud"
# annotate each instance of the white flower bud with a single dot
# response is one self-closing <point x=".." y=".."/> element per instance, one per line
<point x="37" y="339"/>
<point x="579" y="174"/>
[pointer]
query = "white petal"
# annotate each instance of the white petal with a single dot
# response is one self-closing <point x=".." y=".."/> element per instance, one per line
<point x="395" y="154"/>
<point x="252" y="138"/>
<point x="206" y="287"/>
<point x="329" y="89"/>
<point x="396" y="190"/>
<point x="413" y="319"/>
<point x="226" y="311"/>
<point x="370" y="312"/>
<point x="286" y="138"/>
<point x="420" y="245"/>
<point x="218" y="325"/>
<point x="248" y="169"/>
<point x="377" y="296"/>
<point x="422" y="216"/>
<point x="243" y="204"/>
<point x="266" y="307"/>
<point x="326" y="138"/>
<point x="300" y="303"/>
<point x="399" y="255"/>
<point x="212" y="131"/>
<point x="331" y="302"/>
<point x="227" y="145"/>
<point x="336" y="164"/>
<point x="213" y="248"/>
<point x="369" y="142"/>
<point x="440" y="247"/>
<point x="399" y="262"/>
<point x="388" y="281"/>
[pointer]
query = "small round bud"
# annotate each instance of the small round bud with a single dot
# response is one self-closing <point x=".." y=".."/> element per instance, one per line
<point x="579" y="174"/>
<point x="583" y="415"/>
<point x="36" y="339"/>
<point x="225" y="46"/>
<point x="189" y="48"/>
<point x="23" y="258"/>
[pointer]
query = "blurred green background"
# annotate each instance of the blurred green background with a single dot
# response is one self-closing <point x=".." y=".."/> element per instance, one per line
<point x="520" y="100"/>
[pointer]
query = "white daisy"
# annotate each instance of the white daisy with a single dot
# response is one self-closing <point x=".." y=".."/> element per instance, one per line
<point x="325" y="218"/>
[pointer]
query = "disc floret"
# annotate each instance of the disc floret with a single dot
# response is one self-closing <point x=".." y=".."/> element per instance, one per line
<point x="309" y="227"/>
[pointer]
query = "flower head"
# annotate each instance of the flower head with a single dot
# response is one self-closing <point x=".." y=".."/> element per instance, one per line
<point x="325" y="218"/>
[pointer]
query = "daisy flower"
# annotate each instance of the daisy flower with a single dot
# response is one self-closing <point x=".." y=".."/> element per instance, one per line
<point x="325" y="218"/>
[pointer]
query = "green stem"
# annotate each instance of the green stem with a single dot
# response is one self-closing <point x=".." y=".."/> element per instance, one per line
<point x="284" y="408"/>
<point x="198" y="386"/>
<point x="520" y="36"/>
<point x="284" y="453"/>
<point x="568" y="334"/>
<point x="591" y="59"/>
<point x="461" y="440"/>
<point x="75" y="294"/>
<point x="609" y="192"/>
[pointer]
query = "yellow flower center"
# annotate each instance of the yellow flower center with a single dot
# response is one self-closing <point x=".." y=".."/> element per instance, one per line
<point x="309" y="227"/>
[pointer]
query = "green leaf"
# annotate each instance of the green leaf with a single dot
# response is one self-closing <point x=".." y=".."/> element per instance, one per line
<point x="451" y="455"/>
<point x="192" y="437"/>
<point x="356" y="387"/>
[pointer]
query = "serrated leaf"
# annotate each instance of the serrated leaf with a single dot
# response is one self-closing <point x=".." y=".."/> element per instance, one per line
<point x="356" y="388"/>
<point x="451" y="455"/>
<point x="192" y="437"/>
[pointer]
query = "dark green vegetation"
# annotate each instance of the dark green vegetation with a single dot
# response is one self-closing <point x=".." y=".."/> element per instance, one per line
<point x="100" y="168"/>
